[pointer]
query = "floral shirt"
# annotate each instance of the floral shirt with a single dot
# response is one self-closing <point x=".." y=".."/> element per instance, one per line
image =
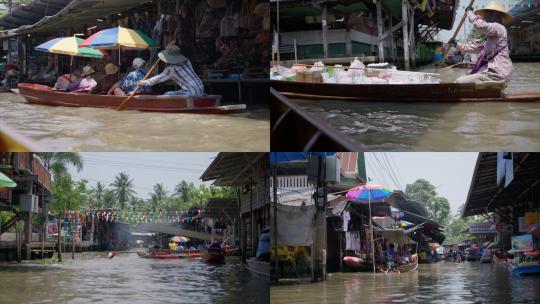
<point x="129" y="83"/>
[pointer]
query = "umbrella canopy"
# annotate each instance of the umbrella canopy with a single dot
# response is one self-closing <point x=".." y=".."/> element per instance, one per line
<point x="69" y="46"/>
<point x="6" y="182"/>
<point x="179" y="239"/>
<point x="368" y="193"/>
<point x="119" y="37"/>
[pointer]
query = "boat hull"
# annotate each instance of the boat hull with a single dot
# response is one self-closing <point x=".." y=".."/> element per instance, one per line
<point x="526" y="269"/>
<point x="159" y="256"/>
<point x="190" y="254"/>
<point x="214" y="257"/>
<point x="44" y="95"/>
<point x="357" y="264"/>
<point x="444" y="92"/>
<point x="408" y="267"/>
<point x="260" y="268"/>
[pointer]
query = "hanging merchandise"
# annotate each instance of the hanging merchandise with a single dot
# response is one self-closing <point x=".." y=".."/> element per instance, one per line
<point x="432" y="8"/>
<point x="352" y="240"/>
<point x="229" y="24"/>
<point x="346" y="218"/>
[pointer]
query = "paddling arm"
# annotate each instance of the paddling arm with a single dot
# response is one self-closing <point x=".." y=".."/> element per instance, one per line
<point x="164" y="76"/>
<point x="469" y="47"/>
<point x="491" y="29"/>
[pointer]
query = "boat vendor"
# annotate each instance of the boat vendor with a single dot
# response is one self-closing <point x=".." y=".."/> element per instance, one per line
<point x="493" y="62"/>
<point x="65" y="81"/>
<point x="391" y="256"/>
<point x="105" y="83"/>
<point x="87" y="83"/>
<point x="181" y="71"/>
<point x="128" y="84"/>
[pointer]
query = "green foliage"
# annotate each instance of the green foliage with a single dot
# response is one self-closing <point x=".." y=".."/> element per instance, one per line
<point x="68" y="194"/>
<point x="437" y="207"/>
<point x="57" y="162"/>
<point x="123" y="189"/>
<point x="454" y="231"/>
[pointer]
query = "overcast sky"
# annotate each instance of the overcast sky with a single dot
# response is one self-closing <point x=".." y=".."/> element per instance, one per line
<point x="451" y="173"/>
<point x="146" y="169"/>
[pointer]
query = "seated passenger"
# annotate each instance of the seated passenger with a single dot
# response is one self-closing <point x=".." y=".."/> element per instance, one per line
<point x="111" y="77"/>
<point x="63" y="82"/>
<point x="127" y="85"/>
<point x="87" y="83"/>
<point x="181" y="71"/>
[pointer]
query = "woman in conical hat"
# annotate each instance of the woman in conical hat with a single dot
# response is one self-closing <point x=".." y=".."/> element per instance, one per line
<point x="493" y="62"/>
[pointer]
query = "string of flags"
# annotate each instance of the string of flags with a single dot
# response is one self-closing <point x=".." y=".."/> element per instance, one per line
<point x="138" y="217"/>
<point x="431" y="5"/>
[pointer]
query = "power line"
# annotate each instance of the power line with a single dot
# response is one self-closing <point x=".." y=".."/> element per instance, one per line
<point x="111" y="156"/>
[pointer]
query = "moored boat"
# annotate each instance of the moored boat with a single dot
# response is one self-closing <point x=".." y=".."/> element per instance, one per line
<point x="526" y="268"/>
<point x="231" y="250"/>
<point x="190" y="254"/>
<point x="210" y="104"/>
<point x="442" y="92"/>
<point x="413" y="265"/>
<point x="357" y="264"/>
<point x="158" y="255"/>
<point x="257" y="267"/>
<point x="214" y="256"/>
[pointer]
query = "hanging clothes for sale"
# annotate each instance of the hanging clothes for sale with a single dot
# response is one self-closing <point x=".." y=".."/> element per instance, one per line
<point x="346" y="216"/>
<point x="352" y="240"/>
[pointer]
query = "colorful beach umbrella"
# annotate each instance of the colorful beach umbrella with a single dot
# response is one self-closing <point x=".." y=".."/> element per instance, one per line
<point x="6" y="182"/>
<point x="179" y="239"/>
<point x="69" y="46"/>
<point x="119" y="37"/>
<point x="368" y="193"/>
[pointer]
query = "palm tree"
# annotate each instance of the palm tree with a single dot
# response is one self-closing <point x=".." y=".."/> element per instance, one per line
<point x="97" y="195"/>
<point x="158" y="196"/>
<point x="109" y="199"/>
<point x="123" y="188"/>
<point x="185" y="190"/>
<point x="57" y="162"/>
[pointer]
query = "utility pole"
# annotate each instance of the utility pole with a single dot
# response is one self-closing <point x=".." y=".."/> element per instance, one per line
<point x="320" y="221"/>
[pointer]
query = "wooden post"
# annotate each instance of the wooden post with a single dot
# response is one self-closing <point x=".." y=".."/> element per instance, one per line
<point x="276" y="258"/>
<point x="340" y="236"/>
<point x="380" y="33"/>
<point x="251" y="218"/>
<point x="391" y="40"/>
<point x="324" y="15"/>
<point x="412" y="35"/>
<point x="72" y="239"/>
<point x="18" y="241"/>
<point x="58" y="222"/>
<point x="406" y="47"/>
<point x="320" y="221"/>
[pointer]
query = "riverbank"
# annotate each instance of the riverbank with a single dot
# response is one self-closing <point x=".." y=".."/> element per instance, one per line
<point x="470" y="282"/>
<point x="89" y="129"/>
<point x="128" y="278"/>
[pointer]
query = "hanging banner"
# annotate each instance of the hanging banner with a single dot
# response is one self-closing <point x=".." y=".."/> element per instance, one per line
<point x="521" y="243"/>
<point x="524" y="227"/>
<point x="480" y="228"/>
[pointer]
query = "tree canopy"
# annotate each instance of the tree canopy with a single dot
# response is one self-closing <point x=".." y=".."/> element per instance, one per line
<point x="437" y="207"/>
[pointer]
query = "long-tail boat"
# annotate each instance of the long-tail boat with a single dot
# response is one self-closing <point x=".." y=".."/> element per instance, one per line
<point x="214" y="256"/>
<point x="158" y="254"/>
<point x="45" y="95"/>
<point x="443" y="92"/>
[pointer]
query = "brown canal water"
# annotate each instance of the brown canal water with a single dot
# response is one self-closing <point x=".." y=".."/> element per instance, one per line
<point x="89" y="129"/>
<point x="422" y="126"/>
<point x="469" y="282"/>
<point x="92" y="277"/>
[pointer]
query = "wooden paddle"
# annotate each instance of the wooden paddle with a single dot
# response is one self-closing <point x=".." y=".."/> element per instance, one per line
<point x="454" y="36"/>
<point x="125" y="103"/>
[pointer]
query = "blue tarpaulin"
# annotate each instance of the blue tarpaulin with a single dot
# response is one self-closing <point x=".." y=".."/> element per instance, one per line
<point x="283" y="157"/>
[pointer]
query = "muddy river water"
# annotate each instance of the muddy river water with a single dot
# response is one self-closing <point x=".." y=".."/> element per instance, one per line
<point x="439" y="126"/>
<point x="89" y="129"/>
<point x="92" y="277"/>
<point x="469" y="282"/>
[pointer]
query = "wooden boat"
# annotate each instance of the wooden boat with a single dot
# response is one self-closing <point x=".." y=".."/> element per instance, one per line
<point x="485" y="259"/>
<point x="526" y="268"/>
<point x="444" y="92"/>
<point x="257" y="267"/>
<point x="11" y="141"/>
<point x="293" y="129"/>
<point x="214" y="256"/>
<point x="229" y="251"/>
<point x="357" y="264"/>
<point x="44" y="95"/>
<point x="190" y="254"/>
<point x="158" y="255"/>
<point x="413" y="265"/>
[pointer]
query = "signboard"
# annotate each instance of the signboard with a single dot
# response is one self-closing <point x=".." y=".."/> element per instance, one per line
<point x="522" y="243"/>
<point x="480" y="228"/>
<point x="532" y="218"/>
<point x="524" y="227"/>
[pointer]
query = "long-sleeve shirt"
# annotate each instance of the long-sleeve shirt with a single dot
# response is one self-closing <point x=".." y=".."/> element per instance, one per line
<point x="183" y="75"/>
<point x="85" y="85"/>
<point x="497" y="38"/>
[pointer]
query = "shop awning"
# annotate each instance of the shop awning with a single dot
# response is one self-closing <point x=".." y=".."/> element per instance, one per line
<point x="232" y="169"/>
<point x="6" y="182"/>
<point x="74" y="14"/>
<point x="396" y="236"/>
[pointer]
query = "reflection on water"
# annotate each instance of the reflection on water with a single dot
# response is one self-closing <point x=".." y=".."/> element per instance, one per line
<point x="127" y="278"/>
<point x="89" y="129"/>
<point x="439" y="126"/>
<point x="433" y="283"/>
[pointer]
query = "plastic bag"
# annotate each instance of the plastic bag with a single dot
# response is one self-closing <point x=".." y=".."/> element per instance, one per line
<point x="357" y="68"/>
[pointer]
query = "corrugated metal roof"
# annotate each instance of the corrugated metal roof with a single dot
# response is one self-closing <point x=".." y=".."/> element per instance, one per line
<point x="74" y="13"/>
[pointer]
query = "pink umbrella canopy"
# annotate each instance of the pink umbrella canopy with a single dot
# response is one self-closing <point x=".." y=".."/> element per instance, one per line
<point x="368" y="193"/>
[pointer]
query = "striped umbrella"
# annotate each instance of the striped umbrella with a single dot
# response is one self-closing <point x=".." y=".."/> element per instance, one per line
<point x="69" y="46"/>
<point x="119" y="37"/>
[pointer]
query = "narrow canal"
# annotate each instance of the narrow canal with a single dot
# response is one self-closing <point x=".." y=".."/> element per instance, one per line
<point x="469" y="282"/>
<point x="439" y="126"/>
<point x="92" y="277"/>
<point x="89" y="129"/>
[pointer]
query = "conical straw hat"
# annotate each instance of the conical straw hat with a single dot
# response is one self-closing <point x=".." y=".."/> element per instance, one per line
<point x="497" y="7"/>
